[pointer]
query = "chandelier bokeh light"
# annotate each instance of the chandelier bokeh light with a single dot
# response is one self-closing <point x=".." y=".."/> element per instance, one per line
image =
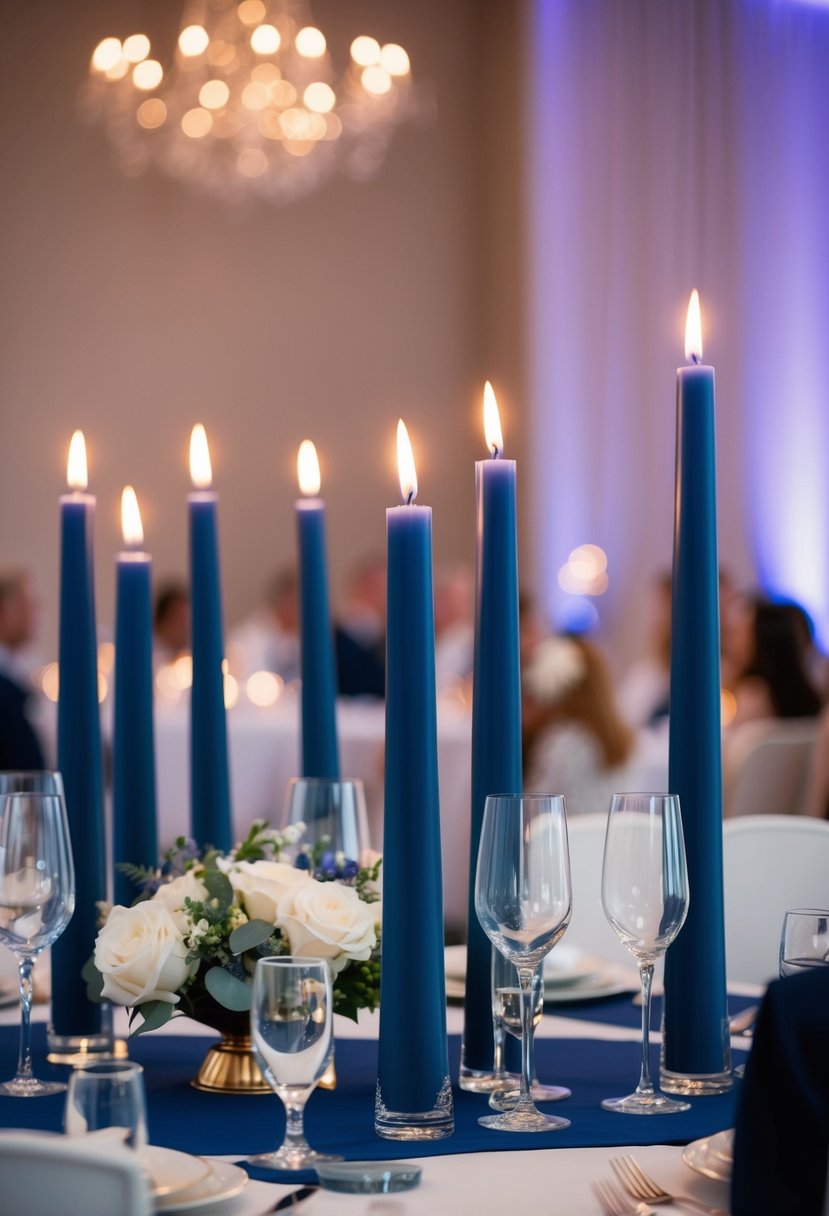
<point x="251" y="105"/>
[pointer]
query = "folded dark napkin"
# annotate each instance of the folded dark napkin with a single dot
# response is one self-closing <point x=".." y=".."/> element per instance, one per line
<point x="782" y="1135"/>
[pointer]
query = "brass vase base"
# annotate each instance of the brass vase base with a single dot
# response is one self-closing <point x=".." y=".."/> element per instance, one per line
<point x="230" y="1068"/>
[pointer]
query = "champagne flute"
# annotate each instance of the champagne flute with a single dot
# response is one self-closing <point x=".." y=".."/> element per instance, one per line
<point x="804" y="943"/>
<point x="645" y="898"/>
<point x="506" y="1016"/>
<point x="37" y="899"/>
<point x="291" y="1021"/>
<point x="523" y="901"/>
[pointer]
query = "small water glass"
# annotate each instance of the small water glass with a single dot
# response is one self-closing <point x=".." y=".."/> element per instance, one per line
<point x="804" y="942"/>
<point x="107" y="1094"/>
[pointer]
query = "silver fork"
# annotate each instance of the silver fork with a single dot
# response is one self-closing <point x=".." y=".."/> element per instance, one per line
<point x="641" y="1186"/>
<point x="615" y="1203"/>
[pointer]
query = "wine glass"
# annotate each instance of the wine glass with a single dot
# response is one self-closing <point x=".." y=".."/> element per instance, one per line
<point x="107" y="1093"/>
<point x="804" y="943"/>
<point x="332" y="811"/>
<point x="506" y="1017"/>
<point x="523" y="901"/>
<point x="37" y="899"/>
<point x="645" y="898"/>
<point x="291" y="1020"/>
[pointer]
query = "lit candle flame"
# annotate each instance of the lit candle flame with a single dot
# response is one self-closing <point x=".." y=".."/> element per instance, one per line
<point x="131" y="526"/>
<point x="492" y="423"/>
<point x="308" y="469"/>
<point x="76" y="474"/>
<point x="693" y="330"/>
<point x="201" y="473"/>
<point x="405" y="464"/>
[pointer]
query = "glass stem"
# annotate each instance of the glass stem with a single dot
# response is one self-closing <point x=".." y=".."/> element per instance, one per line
<point x="525" y="979"/>
<point x="497" y="1047"/>
<point x="24" y="1063"/>
<point x="295" y="1141"/>
<point x="645" y="1085"/>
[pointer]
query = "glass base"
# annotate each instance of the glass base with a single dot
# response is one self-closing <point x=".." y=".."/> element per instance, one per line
<point x="696" y="1086"/>
<point x="30" y="1087"/>
<point x="287" y="1158"/>
<point x="530" y="1120"/>
<point x="507" y="1099"/>
<point x="80" y="1050"/>
<point x="434" y="1124"/>
<point x="645" y="1104"/>
<point x="475" y="1081"/>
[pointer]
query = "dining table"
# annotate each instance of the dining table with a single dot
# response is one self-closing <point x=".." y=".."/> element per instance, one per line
<point x="592" y="1046"/>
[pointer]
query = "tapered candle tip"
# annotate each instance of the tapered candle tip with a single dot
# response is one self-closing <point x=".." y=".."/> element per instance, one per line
<point x="405" y="464"/>
<point x="76" y="471"/>
<point x="201" y="472"/>
<point x="131" y="526"/>
<point x="492" y="423"/>
<point x="693" y="330"/>
<point x="308" y="469"/>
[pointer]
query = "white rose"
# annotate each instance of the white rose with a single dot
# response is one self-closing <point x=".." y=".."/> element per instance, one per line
<point x="173" y="894"/>
<point x="261" y="884"/>
<point x="327" y="920"/>
<point x="141" y="955"/>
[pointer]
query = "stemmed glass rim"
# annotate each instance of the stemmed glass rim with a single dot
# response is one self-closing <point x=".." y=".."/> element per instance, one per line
<point x="530" y="796"/>
<point x="108" y="1068"/>
<point x="806" y="912"/>
<point x="659" y="795"/>
<point x="318" y="781"/>
<point x="293" y="960"/>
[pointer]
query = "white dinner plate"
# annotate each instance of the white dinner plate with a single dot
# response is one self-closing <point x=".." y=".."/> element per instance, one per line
<point x="582" y="977"/>
<point x="223" y="1182"/>
<point x="713" y="1156"/>
<point x="171" y="1172"/>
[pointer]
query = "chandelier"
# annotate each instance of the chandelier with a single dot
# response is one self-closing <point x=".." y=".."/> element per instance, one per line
<point x="251" y="104"/>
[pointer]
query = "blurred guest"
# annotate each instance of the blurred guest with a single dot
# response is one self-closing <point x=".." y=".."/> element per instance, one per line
<point x="531" y="625"/>
<point x="576" y="741"/>
<point x="454" y="628"/>
<point x="20" y="747"/>
<point x="268" y="639"/>
<point x="644" y="688"/>
<point x="817" y="790"/>
<point x="171" y="622"/>
<point x="360" y="634"/>
<point x="764" y="645"/>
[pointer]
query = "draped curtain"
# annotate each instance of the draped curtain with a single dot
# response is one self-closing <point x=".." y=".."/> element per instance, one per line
<point x="672" y="144"/>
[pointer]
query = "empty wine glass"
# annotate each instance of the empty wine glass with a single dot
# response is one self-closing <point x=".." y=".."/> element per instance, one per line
<point x="334" y="812"/>
<point x="291" y="1021"/>
<point x="804" y="943"/>
<point x="107" y="1093"/>
<point x="506" y="1017"/>
<point x="37" y="899"/>
<point x="523" y="901"/>
<point x="645" y="898"/>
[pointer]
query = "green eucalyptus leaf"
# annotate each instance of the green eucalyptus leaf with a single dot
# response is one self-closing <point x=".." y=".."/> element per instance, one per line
<point x="219" y="888"/>
<point x="250" y="935"/>
<point x="94" y="981"/>
<point x="227" y="990"/>
<point x="154" y="1013"/>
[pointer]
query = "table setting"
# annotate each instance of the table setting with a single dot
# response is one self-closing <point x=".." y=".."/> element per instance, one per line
<point x="321" y="964"/>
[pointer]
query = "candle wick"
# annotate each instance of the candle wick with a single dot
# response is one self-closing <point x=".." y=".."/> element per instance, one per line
<point x="496" y="455"/>
<point x="409" y="498"/>
<point x="695" y="359"/>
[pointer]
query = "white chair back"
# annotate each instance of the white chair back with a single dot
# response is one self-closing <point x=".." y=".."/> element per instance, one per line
<point x="589" y="929"/>
<point x="770" y="863"/>
<point x="42" y="1174"/>
<point x="766" y="766"/>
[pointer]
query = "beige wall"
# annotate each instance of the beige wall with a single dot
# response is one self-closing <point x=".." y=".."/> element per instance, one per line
<point x="133" y="309"/>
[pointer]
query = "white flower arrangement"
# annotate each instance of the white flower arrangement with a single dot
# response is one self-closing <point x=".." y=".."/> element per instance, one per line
<point x="557" y="665"/>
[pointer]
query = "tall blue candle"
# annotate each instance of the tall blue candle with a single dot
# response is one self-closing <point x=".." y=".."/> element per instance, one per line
<point x="496" y="716"/>
<point x="134" y="830"/>
<point x="320" y="756"/>
<point x="696" y="1054"/>
<point x="79" y="753"/>
<point x="414" y="1096"/>
<point x="209" y="777"/>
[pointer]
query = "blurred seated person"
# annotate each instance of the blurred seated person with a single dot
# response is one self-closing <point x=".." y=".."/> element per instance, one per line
<point x="171" y="623"/>
<point x="644" y="689"/>
<point x="268" y="639"/>
<point x="20" y="747"/>
<point x="360" y="632"/>
<point x="532" y="627"/>
<point x="576" y="741"/>
<point x="454" y="624"/>
<point x="817" y="790"/>
<point x="763" y="642"/>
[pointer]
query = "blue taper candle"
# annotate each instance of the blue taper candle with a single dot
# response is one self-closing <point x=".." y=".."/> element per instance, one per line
<point x="134" y="831"/>
<point x="696" y="1054"/>
<point x="79" y="753"/>
<point x="414" y="1096"/>
<point x="320" y="754"/>
<point x="496" y="717"/>
<point x="210" y="817"/>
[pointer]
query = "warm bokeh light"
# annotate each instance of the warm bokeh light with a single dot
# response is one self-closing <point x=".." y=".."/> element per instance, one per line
<point x="214" y="94"/>
<point x="201" y="472"/>
<point x="255" y="96"/>
<point x="585" y="571"/>
<point x="265" y="39"/>
<point x="728" y="706"/>
<point x="405" y="464"/>
<point x="394" y="59"/>
<point x="319" y="97"/>
<point x="376" y="80"/>
<point x="151" y="113"/>
<point x="492" y="422"/>
<point x="365" y="51"/>
<point x="50" y="681"/>
<point x="693" y="330"/>
<point x="136" y="48"/>
<point x="193" y="40"/>
<point x="77" y="477"/>
<point x="196" y="122"/>
<point x="131" y="527"/>
<point x="147" y="75"/>
<point x="106" y="54"/>
<point x="118" y="70"/>
<point x="251" y="12"/>
<point x="106" y="657"/>
<point x="252" y="162"/>
<point x="310" y="42"/>
<point x="308" y="469"/>
<point x="231" y="686"/>
<point x="264" y="688"/>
